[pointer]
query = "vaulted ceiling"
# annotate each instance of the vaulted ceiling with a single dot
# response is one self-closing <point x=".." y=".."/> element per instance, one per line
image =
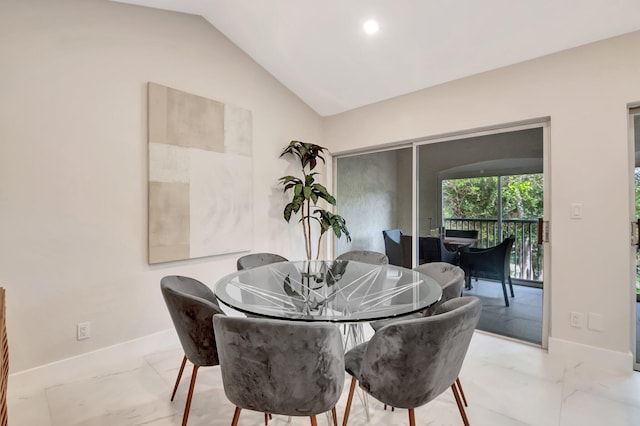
<point x="319" y="50"/>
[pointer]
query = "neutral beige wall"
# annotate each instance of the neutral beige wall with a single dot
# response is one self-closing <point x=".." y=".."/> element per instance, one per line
<point x="585" y="91"/>
<point x="73" y="164"/>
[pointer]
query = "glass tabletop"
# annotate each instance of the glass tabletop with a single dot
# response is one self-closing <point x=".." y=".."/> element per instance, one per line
<point x="328" y="290"/>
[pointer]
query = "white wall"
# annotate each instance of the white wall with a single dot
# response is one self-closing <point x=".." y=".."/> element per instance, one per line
<point x="73" y="165"/>
<point x="585" y="91"/>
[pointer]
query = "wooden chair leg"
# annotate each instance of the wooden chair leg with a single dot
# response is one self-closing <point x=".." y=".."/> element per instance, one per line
<point x="465" y="420"/>
<point x="334" y="414"/>
<point x="192" y="385"/>
<point x="352" y="389"/>
<point x="266" y="419"/>
<point x="464" y="399"/>
<point x="175" y="388"/>
<point x="313" y="421"/>
<point x="236" y="416"/>
<point x="412" y="417"/>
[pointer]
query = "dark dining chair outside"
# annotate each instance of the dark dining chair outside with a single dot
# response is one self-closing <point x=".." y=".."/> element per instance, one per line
<point x="365" y="256"/>
<point x="281" y="367"/>
<point x="433" y="249"/>
<point x="493" y="263"/>
<point x="192" y="306"/>
<point x="258" y="259"/>
<point x="392" y="246"/>
<point x="409" y="363"/>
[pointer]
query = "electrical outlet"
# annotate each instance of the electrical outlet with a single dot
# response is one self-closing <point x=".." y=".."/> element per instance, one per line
<point x="83" y="330"/>
<point x="576" y="320"/>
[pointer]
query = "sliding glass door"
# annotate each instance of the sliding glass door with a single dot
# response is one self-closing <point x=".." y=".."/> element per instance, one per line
<point x="492" y="182"/>
<point x="634" y="136"/>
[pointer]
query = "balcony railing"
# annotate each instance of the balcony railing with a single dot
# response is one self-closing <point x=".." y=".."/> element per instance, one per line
<point x="526" y="255"/>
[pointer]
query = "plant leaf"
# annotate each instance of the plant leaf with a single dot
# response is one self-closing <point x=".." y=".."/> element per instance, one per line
<point x="307" y="192"/>
<point x="292" y="207"/>
<point x="309" y="180"/>
<point x="307" y="153"/>
<point x="322" y="192"/>
<point x="287" y="212"/>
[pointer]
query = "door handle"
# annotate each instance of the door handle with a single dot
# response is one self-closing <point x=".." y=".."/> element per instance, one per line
<point x="540" y="226"/>
<point x="543" y="231"/>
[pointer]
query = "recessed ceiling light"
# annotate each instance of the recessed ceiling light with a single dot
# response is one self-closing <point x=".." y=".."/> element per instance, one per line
<point x="371" y="26"/>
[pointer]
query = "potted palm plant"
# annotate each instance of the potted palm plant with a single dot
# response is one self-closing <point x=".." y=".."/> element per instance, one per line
<point x="305" y="195"/>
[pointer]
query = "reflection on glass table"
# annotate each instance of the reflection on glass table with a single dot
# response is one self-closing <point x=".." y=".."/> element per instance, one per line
<point x="328" y="290"/>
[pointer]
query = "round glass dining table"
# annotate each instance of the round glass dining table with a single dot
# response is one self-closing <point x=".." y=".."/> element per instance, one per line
<point x="338" y="291"/>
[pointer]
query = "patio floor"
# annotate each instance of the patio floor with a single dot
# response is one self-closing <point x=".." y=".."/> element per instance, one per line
<point x="522" y="320"/>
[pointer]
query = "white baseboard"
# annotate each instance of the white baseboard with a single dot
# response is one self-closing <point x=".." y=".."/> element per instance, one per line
<point x="577" y="353"/>
<point x="81" y="366"/>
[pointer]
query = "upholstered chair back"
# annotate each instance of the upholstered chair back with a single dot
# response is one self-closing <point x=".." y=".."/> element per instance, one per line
<point x="408" y="363"/>
<point x="450" y="278"/>
<point x="192" y="306"/>
<point x="280" y="367"/>
<point x="258" y="259"/>
<point x="365" y="256"/>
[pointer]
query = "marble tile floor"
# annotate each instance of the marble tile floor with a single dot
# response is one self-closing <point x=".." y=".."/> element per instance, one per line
<point x="506" y="383"/>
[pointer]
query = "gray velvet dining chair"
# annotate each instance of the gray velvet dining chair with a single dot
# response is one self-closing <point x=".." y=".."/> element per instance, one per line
<point x="258" y="259"/>
<point x="281" y="367"/>
<point x="366" y="256"/>
<point x="451" y="280"/>
<point x="448" y="276"/>
<point x="192" y="305"/>
<point x="409" y="363"/>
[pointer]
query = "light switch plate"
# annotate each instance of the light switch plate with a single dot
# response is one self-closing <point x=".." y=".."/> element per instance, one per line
<point x="576" y="211"/>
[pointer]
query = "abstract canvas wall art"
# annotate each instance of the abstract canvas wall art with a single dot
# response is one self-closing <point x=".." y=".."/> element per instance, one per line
<point x="200" y="176"/>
